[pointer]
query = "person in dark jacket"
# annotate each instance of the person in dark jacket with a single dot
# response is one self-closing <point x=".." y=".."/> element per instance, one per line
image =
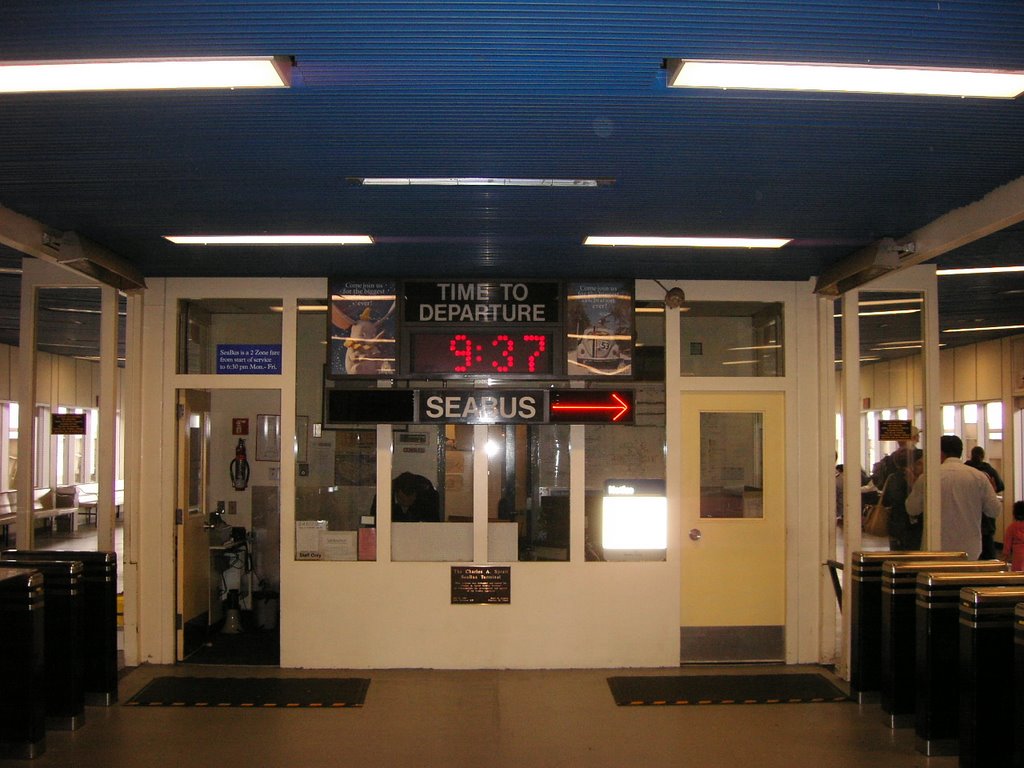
<point x="414" y="500"/>
<point x="988" y="525"/>
<point x="904" y="533"/>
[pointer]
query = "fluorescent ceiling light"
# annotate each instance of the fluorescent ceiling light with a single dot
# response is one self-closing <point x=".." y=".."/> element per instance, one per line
<point x="687" y="242"/>
<point x="145" y="74"/>
<point x="474" y="181"/>
<point x="985" y="328"/>
<point x="270" y="239"/>
<point x="881" y="312"/>
<point x="886" y="302"/>
<point x="977" y="270"/>
<point x="847" y="78"/>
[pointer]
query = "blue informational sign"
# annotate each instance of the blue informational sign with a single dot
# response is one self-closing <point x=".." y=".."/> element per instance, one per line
<point x="249" y="359"/>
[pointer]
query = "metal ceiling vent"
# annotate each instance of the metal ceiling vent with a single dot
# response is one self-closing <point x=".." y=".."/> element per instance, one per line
<point x="865" y="265"/>
<point x="84" y="256"/>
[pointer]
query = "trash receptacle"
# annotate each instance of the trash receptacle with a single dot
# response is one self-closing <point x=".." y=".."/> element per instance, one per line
<point x="23" y="701"/>
<point x="986" y="653"/>
<point x="937" y="685"/>
<point x="899" y="639"/>
<point x="99" y="632"/>
<point x="866" y="615"/>
<point x="62" y="647"/>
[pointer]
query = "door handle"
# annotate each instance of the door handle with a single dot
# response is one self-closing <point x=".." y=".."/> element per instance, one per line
<point x="695" y="534"/>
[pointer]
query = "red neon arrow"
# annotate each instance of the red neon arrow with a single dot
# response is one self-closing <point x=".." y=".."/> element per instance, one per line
<point x="622" y="407"/>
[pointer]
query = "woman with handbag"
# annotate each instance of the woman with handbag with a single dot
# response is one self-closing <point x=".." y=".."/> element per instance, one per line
<point x="904" y="533"/>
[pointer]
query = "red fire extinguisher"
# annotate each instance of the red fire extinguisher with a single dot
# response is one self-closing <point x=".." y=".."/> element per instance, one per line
<point x="239" y="468"/>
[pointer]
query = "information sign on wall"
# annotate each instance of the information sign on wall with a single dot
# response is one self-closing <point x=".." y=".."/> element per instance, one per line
<point x="481" y="584"/>
<point x="249" y="359"/>
<point x="67" y="423"/>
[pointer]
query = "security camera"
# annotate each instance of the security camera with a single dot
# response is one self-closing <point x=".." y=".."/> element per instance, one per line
<point x="674" y="298"/>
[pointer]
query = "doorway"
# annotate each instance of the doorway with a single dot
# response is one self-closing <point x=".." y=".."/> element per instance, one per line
<point x="733" y="532"/>
<point x="228" y="526"/>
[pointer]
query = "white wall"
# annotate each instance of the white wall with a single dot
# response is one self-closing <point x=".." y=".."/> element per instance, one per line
<point x="383" y="614"/>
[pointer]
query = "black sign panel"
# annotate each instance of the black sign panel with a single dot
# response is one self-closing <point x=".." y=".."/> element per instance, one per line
<point x="482" y="406"/>
<point x="894" y="429"/>
<point x="369" y="406"/>
<point x="494" y="353"/>
<point x="67" y="423"/>
<point x="470" y="303"/>
<point x="481" y="584"/>
<point x="591" y="406"/>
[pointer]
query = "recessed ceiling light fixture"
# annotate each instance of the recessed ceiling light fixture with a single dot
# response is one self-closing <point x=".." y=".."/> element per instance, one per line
<point x="845" y="78"/>
<point x="473" y="181"/>
<point x="687" y="242"/>
<point x="270" y="239"/>
<point x="977" y="270"/>
<point x="145" y="74"/>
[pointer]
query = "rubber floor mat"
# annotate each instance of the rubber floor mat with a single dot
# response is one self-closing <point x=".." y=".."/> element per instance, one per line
<point x="724" y="689"/>
<point x="254" y="692"/>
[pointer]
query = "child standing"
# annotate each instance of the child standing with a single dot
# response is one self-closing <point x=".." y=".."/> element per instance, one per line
<point x="1013" y="541"/>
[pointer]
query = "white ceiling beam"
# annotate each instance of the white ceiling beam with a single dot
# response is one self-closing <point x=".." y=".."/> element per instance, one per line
<point x="1002" y="207"/>
<point x="69" y="250"/>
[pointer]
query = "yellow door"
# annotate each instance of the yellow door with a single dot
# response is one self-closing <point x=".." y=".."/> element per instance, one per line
<point x="193" y="546"/>
<point x="733" y="532"/>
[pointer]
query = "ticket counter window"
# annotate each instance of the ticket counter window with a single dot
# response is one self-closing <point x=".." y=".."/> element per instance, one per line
<point x="432" y="493"/>
<point x="334" y="499"/>
<point x="615" y="454"/>
<point x="528" y="493"/>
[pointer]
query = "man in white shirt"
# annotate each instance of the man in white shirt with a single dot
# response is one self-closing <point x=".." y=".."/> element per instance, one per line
<point x="966" y="495"/>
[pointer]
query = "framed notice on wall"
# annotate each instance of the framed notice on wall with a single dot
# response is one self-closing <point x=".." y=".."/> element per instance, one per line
<point x="361" y="329"/>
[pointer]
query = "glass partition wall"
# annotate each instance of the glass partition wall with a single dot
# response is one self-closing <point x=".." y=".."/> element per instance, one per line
<point x="436" y="472"/>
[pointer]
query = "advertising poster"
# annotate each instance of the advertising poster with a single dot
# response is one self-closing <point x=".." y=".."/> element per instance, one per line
<point x="599" y="328"/>
<point x="361" y="328"/>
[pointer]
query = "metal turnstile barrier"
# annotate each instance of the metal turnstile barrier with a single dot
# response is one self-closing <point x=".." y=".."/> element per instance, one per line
<point x="1018" y="686"/>
<point x="936" y="685"/>
<point x="62" y="647"/>
<point x="866" y="615"/>
<point x="23" y="702"/>
<point x="899" y="637"/>
<point x="99" y="632"/>
<point x="986" y="654"/>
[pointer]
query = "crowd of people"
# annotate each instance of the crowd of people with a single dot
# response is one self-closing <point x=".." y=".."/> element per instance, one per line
<point x="969" y="504"/>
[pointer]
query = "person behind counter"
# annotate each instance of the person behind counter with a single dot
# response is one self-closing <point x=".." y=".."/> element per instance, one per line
<point x="413" y="500"/>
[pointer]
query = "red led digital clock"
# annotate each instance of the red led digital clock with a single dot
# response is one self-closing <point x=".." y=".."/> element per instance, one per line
<point x="481" y="353"/>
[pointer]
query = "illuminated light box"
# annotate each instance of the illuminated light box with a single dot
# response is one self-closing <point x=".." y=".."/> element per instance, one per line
<point x="634" y="523"/>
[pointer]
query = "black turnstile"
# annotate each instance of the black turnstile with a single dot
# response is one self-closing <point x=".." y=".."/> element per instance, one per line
<point x="899" y="639"/>
<point x="986" y="656"/>
<point x="1018" y="686"/>
<point x="866" y="615"/>
<point x="23" y="701"/>
<point x="99" y="632"/>
<point x="937" y="688"/>
<point x="62" y="648"/>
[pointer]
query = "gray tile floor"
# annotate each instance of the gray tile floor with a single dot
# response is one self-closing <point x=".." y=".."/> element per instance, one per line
<point x="481" y="718"/>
